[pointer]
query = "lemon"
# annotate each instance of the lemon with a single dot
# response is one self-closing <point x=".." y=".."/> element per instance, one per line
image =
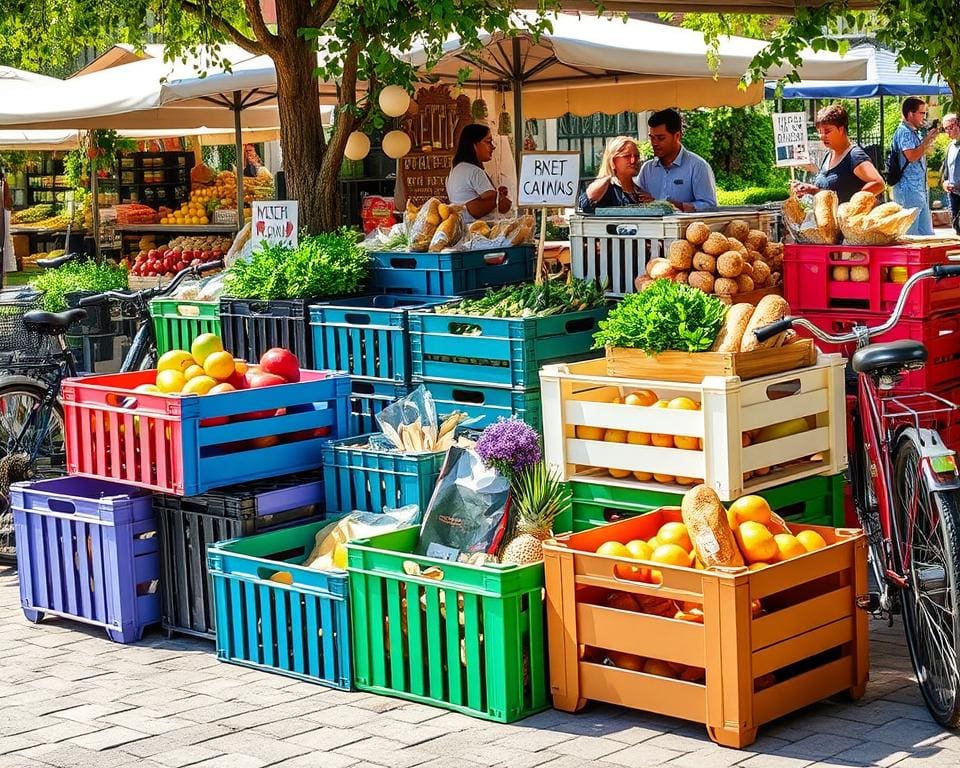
<point x="175" y="360"/>
<point x="170" y="381"/>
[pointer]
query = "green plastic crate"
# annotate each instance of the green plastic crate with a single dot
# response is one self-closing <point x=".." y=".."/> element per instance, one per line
<point x="421" y="654"/>
<point x="814" y="500"/>
<point x="177" y="323"/>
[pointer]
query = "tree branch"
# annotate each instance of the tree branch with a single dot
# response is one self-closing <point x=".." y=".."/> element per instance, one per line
<point x="264" y="35"/>
<point x="222" y="25"/>
<point x="318" y="15"/>
<point x="348" y="95"/>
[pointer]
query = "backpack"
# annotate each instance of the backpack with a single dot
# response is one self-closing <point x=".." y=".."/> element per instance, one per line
<point x="894" y="168"/>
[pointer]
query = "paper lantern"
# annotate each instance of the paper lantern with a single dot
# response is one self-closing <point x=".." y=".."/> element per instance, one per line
<point x="394" y="101"/>
<point x="358" y="146"/>
<point x="396" y="144"/>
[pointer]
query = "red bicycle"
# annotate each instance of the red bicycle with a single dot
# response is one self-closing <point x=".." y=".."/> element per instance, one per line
<point x="906" y="489"/>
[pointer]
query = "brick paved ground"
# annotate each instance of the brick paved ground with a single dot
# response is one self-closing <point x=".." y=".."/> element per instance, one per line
<point x="69" y="697"/>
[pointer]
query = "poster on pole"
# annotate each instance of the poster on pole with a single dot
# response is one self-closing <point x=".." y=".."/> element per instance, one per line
<point x="275" y="222"/>
<point x="790" y="138"/>
<point x="548" y="179"/>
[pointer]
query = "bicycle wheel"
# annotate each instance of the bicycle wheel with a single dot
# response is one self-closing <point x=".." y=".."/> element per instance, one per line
<point x="929" y="553"/>
<point x="32" y="444"/>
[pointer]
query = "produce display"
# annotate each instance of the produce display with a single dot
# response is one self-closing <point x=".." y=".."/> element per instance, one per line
<point x="328" y="264"/>
<point x="551" y="297"/>
<point x="85" y="275"/>
<point x="737" y="260"/>
<point x="34" y="213"/>
<point x="179" y="253"/>
<point x="821" y="220"/>
<point x="437" y="226"/>
<point x="136" y="213"/>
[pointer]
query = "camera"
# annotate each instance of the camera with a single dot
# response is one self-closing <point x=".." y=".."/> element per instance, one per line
<point x="934" y="125"/>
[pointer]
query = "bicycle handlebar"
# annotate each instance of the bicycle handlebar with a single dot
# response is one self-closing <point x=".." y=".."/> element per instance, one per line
<point x="936" y="272"/>
<point x="149" y="293"/>
<point x="57" y="261"/>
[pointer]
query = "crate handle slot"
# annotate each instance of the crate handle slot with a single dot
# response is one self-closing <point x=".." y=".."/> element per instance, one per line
<point x="401" y="263"/>
<point x="783" y="389"/>
<point x="473" y="396"/>
<point x="465" y="329"/>
<point x="580" y="324"/>
<point x="357" y="318"/>
<point x="62" y="505"/>
<point x="285" y="556"/>
<point x="621" y="229"/>
<point x="118" y="400"/>
<point x="496" y="259"/>
<point x="362" y="388"/>
<point x="848" y="257"/>
<point x="186" y="310"/>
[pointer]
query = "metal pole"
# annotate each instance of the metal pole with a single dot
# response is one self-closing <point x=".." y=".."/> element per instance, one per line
<point x="239" y="147"/>
<point x="517" y="104"/>
<point x="94" y="208"/>
<point x="859" y="130"/>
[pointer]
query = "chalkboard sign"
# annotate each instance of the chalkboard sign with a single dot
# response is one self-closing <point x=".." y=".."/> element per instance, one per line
<point x="548" y="179"/>
<point x="433" y="122"/>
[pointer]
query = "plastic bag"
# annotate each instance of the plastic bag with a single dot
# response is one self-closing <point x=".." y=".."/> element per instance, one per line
<point x="411" y="425"/>
<point x="329" y="550"/>
<point x="387" y="238"/>
<point x="502" y="233"/>
<point x="812" y="219"/>
<point x="424" y="225"/>
<point x="469" y="511"/>
<point x="448" y="233"/>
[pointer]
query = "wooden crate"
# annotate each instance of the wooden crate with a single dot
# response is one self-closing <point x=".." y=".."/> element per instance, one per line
<point x="583" y="395"/>
<point x="811" y="636"/>
<point x="693" y="366"/>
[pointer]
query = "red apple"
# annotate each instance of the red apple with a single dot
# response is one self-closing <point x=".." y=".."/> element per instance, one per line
<point x="281" y="362"/>
<point x="264" y="379"/>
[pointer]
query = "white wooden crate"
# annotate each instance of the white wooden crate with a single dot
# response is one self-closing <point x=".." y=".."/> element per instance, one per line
<point x="581" y="394"/>
<point x="616" y="251"/>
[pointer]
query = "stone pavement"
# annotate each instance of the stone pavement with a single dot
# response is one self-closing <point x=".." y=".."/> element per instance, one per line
<point x="69" y="697"/>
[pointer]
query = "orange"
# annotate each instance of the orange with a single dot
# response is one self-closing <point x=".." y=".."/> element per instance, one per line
<point x="745" y="439"/>
<point x="644" y="397"/>
<point x="618" y="473"/>
<point x="175" y="360"/>
<point x="219" y="365"/>
<point x="683" y="404"/>
<point x="659" y="667"/>
<point x="151" y="388"/>
<point x="687" y="480"/>
<point x="754" y="508"/>
<point x="643" y="477"/>
<point x="590" y="433"/>
<point x="622" y="601"/>
<point x="671" y="554"/>
<point x="613" y="549"/>
<point x="639" y="550"/>
<point x="626" y="660"/>
<point x="660" y="404"/>
<point x="661" y="440"/>
<point x="811" y="540"/>
<point x="755" y="541"/>
<point x="193" y="371"/>
<point x="170" y="380"/>
<point x="205" y="344"/>
<point x="282" y="577"/>
<point x="199" y="385"/>
<point x="662" y="478"/>
<point x="675" y="533"/>
<point x="638" y="438"/>
<point x="240" y="366"/>
<point x="788" y="546"/>
<point x="615" y="436"/>
<point x="222" y="387"/>
<point x="757" y="566"/>
<point x="654" y="542"/>
<point x="686" y="443"/>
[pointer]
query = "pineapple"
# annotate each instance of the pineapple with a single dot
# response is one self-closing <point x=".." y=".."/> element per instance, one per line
<point x="539" y="496"/>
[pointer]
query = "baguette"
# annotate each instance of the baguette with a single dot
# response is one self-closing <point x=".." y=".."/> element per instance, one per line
<point x="731" y="334"/>
<point x="825" y="204"/>
<point x="709" y="528"/>
<point x="769" y="309"/>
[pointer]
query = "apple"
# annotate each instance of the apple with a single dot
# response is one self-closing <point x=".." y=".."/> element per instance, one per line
<point x="265" y="379"/>
<point x="281" y="362"/>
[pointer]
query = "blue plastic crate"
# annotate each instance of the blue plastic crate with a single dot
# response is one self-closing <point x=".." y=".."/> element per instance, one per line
<point x="489" y="403"/>
<point x="443" y="274"/>
<point x="87" y="550"/>
<point x="300" y="629"/>
<point x="367" y="399"/>
<point x="498" y="351"/>
<point x="368" y="337"/>
<point x="356" y="477"/>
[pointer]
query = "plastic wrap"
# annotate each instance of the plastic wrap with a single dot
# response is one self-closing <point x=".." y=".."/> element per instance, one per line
<point x="329" y="550"/>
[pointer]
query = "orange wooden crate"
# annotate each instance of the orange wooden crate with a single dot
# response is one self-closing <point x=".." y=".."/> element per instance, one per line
<point x="811" y="636"/>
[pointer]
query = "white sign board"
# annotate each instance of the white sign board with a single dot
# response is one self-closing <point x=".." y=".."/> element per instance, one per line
<point x="548" y="179"/>
<point x="790" y="138"/>
<point x="275" y="222"/>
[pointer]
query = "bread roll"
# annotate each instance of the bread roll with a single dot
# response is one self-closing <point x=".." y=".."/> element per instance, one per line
<point x="840" y="273"/>
<point x="702" y="280"/>
<point x="744" y="284"/>
<point x="861" y="202"/>
<point x="642" y="282"/>
<point x="724" y="286"/>
<point x="794" y="211"/>
<point x="769" y="310"/>
<point x="736" y="245"/>
<point x="652" y="264"/>
<point x="715" y="244"/>
<point x="704" y="262"/>
<point x="738" y="229"/>
<point x="697" y="233"/>
<point x="731" y="333"/>
<point x="761" y="273"/>
<point x="756" y="240"/>
<point x="730" y="264"/>
<point x="825" y="204"/>
<point x="681" y="254"/>
<point x="479" y="228"/>
<point x="662" y="269"/>
<point x="709" y="528"/>
<point x="860" y="274"/>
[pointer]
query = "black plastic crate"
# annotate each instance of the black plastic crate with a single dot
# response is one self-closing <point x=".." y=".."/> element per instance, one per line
<point x="97" y="321"/>
<point x="92" y="349"/>
<point x="188" y="524"/>
<point x="250" y="327"/>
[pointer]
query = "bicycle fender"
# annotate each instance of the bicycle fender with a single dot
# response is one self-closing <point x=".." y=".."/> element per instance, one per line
<point x="19" y="379"/>
<point x="931" y="448"/>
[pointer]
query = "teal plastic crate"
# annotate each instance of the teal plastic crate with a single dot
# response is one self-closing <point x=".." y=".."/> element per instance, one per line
<point x="368" y="337"/>
<point x="499" y="351"/>
<point x="487" y="403"/>
<point x="367" y="399"/>
<point x="356" y="477"/>
<point x="300" y="629"/>
<point x="445" y="274"/>
<point x="815" y="500"/>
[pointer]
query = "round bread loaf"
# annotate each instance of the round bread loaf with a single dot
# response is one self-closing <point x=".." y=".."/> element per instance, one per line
<point x="704" y="262"/>
<point x="744" y="284"/>
<point x="738" y="229"/>
<point x="680" y="254"/>
<point x="757" y="240"/>
<point x="724" y="286"/>
<point x="652" y="264"/>
<point x="736" y="245"/>
<point x="761" y="273"/>
<point x="702" y="280"/>
<point x="729" y="264"/>
<point x="715" y="244"/>
<point x="682" y="276"/>
<point x="697" y="233"/>
<point x="662" y="269"/>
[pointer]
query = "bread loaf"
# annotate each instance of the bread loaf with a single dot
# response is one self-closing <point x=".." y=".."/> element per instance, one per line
<point x="769" y="310"/>
<point x="697" y="233"/>
<point x="725" y="286"/>
<point x="738" y="229"/>
<point x="825" y="204"/>
<point x="709" y="528"/>
<point x="715" y="244"/>
<point x="681" y="254"/>
<point x="731" y="333"/>
<point x="702" y="280"/>
<point x="861" y="202"/>
<point x="704" y="262"/>
<point x="729" y="264"/>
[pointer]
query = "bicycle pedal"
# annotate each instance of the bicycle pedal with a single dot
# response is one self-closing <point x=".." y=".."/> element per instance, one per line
<point x="869" y="602"/>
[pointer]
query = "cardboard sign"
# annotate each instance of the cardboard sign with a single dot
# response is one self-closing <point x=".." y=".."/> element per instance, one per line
<point x="275" y="222"/>
<point x="548" y="179"/>
<point x="790" y="138"/>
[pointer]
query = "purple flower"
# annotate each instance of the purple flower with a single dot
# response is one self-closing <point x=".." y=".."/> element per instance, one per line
<point x="509" y="446"/>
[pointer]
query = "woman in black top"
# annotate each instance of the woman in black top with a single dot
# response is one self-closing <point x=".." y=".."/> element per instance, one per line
<point x="846" y="169"/>
<point x="614" y="184"/>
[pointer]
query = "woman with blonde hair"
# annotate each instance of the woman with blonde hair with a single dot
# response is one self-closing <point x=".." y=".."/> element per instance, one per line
<point x="614" y="183"/>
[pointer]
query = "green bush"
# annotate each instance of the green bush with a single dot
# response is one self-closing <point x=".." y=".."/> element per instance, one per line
<point x="86" y="275"/>
<point x="752" y="195"/>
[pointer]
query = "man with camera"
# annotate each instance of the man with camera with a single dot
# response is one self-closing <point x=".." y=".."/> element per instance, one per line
<point x="909" y="150"/>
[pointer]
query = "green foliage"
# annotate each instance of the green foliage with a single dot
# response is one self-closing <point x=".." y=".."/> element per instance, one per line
<point x="664" y="316"/>
<point x="752" y="195"/>
<point x="552" y="297"/>
<point x="87" y="275"/>
<point x="324" y="265"/>
<point x="936" y="157"/>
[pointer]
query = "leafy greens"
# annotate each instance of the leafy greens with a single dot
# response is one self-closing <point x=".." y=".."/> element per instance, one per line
<point x="87" y="275"/>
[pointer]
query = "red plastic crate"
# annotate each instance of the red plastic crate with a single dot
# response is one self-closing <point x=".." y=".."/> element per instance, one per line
<point x="186" y="445"/>
<point x="940" y="334"/>
<point x="808" y="282"/>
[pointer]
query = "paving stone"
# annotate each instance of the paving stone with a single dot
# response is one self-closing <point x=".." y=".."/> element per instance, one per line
<point x="327" y="739"/>
<point x="256" y="744"/>
<point x="107" y="738"/>
<point x="342" y="716"/>
<point x="184" y="756"/>
<point x="906" y="733"/>
<point x="775" y="761"/>
<point x="10" y="744"/>
<point x="716" y="757"/>
<point x="62" y="730"/>
<point x="233" y="761"/>
<point x="640" y="756"/>
<point x="218" y="710"/>
<point x="532" y="740"/>
<point x="678" y="742"/>
<point x="86" y="713"/>
<point x="182" y="737"/>
<point x="587" y="747"/>
<point x="284" y="729"/>
<point x="385" y="752"/>
<point x="70" y="755"/>
<point x="328" y="760"/>
<point x="387" y="728"/>
<point x="146" y="721"/>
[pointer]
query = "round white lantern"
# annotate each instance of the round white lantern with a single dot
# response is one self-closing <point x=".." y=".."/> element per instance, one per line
<point x="396" y="144"/>
<point x="358" y="146"/>
<point x="394" y="101"/>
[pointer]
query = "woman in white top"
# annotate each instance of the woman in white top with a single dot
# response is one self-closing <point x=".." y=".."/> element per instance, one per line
<point x="467" y="182"/>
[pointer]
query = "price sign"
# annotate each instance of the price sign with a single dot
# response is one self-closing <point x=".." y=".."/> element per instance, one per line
<point x="790" y="138"/>
<point x="549" y="179"/>
<point x="275" y="222"/>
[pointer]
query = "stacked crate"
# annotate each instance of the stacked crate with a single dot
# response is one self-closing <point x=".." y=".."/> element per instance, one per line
<point x="177" y="322"/>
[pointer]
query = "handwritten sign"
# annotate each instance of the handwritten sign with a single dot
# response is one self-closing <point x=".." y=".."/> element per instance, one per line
<point x="548" y="179"/>
<point x="425" y="175"/>
<point x="275" y="222"/>
<point x="790" y="138"/>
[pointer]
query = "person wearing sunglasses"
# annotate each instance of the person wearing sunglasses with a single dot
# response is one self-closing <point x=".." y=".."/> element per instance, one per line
<point x="911" y="191"/>
<point x="467" y="183"/>
<point x="614" y="185"/>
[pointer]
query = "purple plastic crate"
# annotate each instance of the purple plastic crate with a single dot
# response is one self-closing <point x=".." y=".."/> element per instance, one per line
<point x="87" y="550"/>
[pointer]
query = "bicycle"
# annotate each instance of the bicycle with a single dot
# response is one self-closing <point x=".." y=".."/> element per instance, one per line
<point x="906" y="490"/>
<point x="32" y="439"/>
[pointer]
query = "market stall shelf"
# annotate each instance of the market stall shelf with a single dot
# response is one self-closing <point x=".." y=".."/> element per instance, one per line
<point x="177" y="229"/>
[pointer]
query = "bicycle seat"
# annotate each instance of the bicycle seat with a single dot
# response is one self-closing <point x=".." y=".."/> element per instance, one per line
<point x="889" y="354"/>
<point x="52" y="323"/>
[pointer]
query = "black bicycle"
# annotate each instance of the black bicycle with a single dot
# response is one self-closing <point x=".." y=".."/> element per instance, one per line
<point x="32" y="435"/>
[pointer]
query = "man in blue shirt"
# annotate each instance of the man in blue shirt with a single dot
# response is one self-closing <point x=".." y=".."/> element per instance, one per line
<point x="674" y="173"/>
<point x="912" y="190"/>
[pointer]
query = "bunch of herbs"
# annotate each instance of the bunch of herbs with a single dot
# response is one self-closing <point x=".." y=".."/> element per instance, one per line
<point x="86" y="275"/>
